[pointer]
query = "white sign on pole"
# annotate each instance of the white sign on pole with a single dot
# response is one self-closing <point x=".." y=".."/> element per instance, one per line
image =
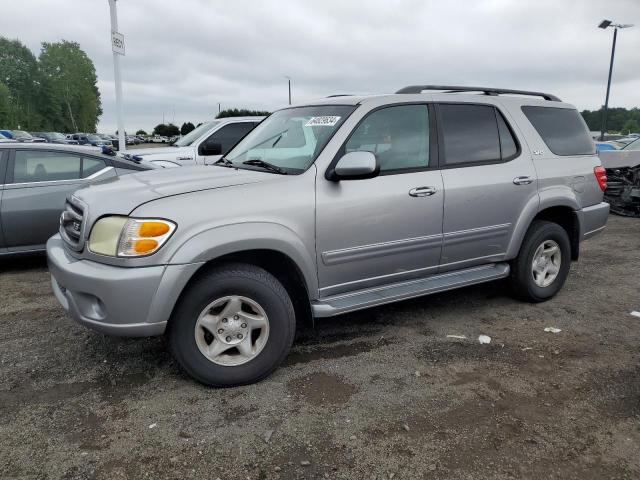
<point x="117" y="43"/>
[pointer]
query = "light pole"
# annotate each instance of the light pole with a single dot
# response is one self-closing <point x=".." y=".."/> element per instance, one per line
<point x="289" y="81"/>
<point x="604" y="25"/>
<point x="117" y="46"/>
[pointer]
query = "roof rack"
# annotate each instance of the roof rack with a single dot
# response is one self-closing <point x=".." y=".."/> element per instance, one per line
<point x="486" y="91"/>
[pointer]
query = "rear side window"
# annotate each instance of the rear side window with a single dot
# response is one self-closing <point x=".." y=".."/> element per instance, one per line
<point x="91" y="166"/>
<point x="470" y="134"/>
<point x="562" y="129"/>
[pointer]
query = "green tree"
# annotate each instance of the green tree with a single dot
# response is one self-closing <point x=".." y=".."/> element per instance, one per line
<point x="631" y="126"/>
<point x="166" y="130"/>
<point x="186" y="128"/>
<point x="69" y="93"/>
<point x="141" y="132"/>
<point x="6" y="119"/>
<point x="616" y="118"/>
<point x="235" y="112"/>
<point x="19" y="73"/>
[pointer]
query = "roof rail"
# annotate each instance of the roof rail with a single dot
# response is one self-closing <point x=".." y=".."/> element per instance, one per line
<point x="486" y="91"/>
<point x="340" y="95"/>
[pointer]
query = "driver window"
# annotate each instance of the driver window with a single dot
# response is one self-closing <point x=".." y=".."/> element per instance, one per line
<point x="230" y="134"/>
<point x="398" y="136"/>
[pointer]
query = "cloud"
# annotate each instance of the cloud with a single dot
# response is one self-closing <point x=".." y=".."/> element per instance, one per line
<point x="183" y="58"/>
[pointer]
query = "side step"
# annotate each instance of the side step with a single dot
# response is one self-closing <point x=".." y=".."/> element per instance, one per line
<point x="348" y="302"/>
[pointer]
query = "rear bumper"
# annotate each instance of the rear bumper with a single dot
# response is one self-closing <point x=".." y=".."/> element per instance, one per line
<point x="593" y="219"/>
<point x="131" y="302"/>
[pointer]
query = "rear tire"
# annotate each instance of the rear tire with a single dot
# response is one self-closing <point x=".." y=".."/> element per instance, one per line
<point x="542" y="266"/>
<point x="234" y="325"/>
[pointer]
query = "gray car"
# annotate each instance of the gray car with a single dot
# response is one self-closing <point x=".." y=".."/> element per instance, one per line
<point x="35" y="180"/>
<point x="330" y="207"/>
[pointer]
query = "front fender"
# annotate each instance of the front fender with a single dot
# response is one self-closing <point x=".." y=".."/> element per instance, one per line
<point x="225" y="239"/>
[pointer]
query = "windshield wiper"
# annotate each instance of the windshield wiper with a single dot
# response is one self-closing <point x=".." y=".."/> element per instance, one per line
<point x="223" y="162"/>
<point x="265" y="165"/>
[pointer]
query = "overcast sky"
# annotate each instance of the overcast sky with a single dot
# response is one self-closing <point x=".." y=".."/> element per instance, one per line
<point x="183" y="57"/>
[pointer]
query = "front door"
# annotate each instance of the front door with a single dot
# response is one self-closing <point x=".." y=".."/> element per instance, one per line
<point x="386" y="229"/>
<point x="489" y="178"/>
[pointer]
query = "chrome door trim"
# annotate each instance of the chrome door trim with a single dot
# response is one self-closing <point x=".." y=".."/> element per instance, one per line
<point x="58" y="182"/>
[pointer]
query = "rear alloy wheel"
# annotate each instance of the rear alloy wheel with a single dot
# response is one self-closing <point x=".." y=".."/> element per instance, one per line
<point x="233" y="325"/>
<point x="542" y="266"/>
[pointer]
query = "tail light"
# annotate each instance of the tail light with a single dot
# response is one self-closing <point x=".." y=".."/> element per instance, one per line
<point x="601" y="176"/>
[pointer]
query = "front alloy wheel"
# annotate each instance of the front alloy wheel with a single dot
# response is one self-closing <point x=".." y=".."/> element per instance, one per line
<point x="232" y="330"/>
<point x="233" y="325"/>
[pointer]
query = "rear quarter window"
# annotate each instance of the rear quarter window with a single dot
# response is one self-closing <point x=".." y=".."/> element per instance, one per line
<point x="562" y="129"/>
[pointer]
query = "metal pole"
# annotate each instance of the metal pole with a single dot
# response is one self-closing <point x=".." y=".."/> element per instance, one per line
<point x="116" y="73"/>
<point x="289" y="90"/>
<point x="606" y="101"/>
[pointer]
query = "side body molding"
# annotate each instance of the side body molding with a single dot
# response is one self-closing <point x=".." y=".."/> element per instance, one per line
<point x="223" y="240"/>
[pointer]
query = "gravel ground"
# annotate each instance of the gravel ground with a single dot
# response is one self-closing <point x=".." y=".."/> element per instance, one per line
<point x="382" y="393"/>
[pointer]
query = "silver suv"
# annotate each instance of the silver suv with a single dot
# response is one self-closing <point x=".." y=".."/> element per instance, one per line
<point x="330" y="207"/>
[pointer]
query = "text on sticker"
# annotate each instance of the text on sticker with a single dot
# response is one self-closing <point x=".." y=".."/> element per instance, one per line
<point x="327" y="121"/>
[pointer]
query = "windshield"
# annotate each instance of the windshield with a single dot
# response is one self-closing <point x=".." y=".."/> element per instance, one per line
<point x="93" y="138"/>
<point x="635" y="145"/>
<point x="291" y="139"/>
<point x="56" y="136"/>
<point x="21" y="134"/>
<point x="193" y="135"/>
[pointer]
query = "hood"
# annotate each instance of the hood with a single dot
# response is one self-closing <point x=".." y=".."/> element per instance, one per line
<point x="163" y="153"/>
<point x="619" y="158"/>
<point x="122" y="194"/>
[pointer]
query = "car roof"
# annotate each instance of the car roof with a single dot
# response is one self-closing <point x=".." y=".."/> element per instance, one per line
<point x="57" y="147"/>
<point x="239" y="119"/>
<point x="435" y="96"/>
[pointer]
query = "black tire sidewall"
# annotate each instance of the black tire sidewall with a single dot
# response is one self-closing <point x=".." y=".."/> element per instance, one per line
<point x="248" y="281"/>
<point x="540" y="232"/>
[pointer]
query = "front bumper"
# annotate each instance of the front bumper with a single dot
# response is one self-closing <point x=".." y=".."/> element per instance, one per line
<point x="131" y="302"/>
<point x="593" y="219"/>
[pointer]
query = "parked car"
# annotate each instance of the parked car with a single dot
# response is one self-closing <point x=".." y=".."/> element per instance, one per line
<point x="54" y="137"/>
<point x="159" y="139"/>
<point x="22" y="136"/>
<point x="5" y="139"/>
<point x="204" y="145"/>
<point x="35" y="180"/>
<point x="89" y="139"/>
<point x="601" y="146"/>
<point x="623" y="179"/>
<point x="329" y="207"/>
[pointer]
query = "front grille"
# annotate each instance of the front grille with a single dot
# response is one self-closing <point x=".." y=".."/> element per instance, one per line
<point x="71" y="223"/>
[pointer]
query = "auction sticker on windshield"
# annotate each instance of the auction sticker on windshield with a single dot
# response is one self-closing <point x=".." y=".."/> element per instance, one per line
<point x="326" y="121"/>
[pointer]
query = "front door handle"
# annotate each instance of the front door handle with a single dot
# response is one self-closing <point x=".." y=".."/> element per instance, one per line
<point x="422" y="191"/>
<point x="522" y="180"/>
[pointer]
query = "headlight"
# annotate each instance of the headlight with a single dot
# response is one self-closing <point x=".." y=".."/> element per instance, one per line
<point x="129" y="237"/>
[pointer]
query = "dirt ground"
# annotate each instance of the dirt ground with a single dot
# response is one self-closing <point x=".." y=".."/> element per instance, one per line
<point x="382" y="393"/>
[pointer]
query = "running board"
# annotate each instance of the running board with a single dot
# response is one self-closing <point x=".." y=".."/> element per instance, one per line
<point x="343" y="303"/>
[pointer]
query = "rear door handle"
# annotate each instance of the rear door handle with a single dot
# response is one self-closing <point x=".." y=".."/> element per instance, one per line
<point x="422" y="191"/>
<point x="522" y="180"/>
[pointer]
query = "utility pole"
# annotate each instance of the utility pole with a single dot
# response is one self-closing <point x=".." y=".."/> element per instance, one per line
<point x="117" y="46"/>
<point x="604" y="25"/>
<point x="289" y="81"/>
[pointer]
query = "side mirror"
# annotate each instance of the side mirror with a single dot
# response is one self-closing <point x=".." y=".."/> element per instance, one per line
<point x="211" y="148"/>
<point x="356" y="166"/>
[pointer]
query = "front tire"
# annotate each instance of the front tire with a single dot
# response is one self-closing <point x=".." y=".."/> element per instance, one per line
<point x="542" y="266"/>
<point x="234" y="325"/>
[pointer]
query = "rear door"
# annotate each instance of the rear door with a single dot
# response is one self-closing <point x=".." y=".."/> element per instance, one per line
<point x="37" y="184"/>
<point x="4" y="154"/>
<point x="488" y="178"/>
